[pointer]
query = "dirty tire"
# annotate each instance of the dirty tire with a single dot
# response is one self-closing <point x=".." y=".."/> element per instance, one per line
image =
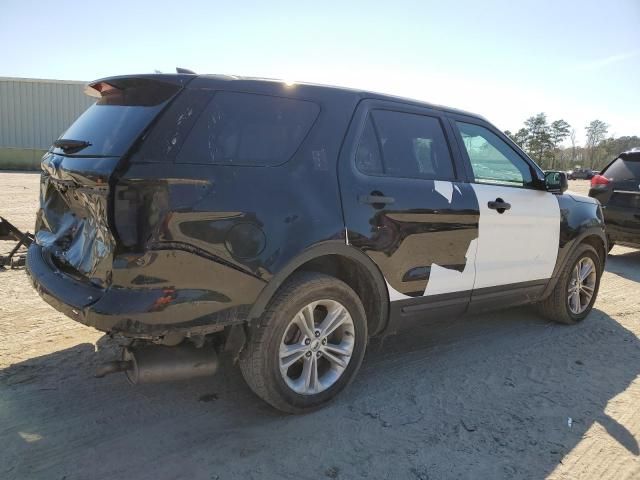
<point x="260" y="361"/>
<point x="556" y="306"/>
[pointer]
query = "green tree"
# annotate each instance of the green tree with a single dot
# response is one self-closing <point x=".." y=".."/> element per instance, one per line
<point x="521" y="137"/>
<point x="558" y="131"/>
<point x="611" y="147"/>
<point x="595" y="132"/>
<point x="539" y="144"/>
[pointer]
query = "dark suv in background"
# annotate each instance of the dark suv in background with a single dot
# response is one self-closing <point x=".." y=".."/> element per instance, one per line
<point x="579" y="173"/>
<point x="284" y="225"/>
<point x="617" y="188"/>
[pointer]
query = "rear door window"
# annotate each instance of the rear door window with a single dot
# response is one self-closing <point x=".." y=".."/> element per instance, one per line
<point x="248" y="129"/>
<point x="368" y="156"/>
<point x="401" y="144"/>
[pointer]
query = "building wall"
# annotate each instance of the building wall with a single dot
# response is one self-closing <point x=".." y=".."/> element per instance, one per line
<point x="33" y="113"/>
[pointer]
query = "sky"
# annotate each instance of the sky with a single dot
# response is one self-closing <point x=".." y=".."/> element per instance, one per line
<point x="507" y="60"/>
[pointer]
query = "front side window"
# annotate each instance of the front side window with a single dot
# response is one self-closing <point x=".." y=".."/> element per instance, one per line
<point x="248" y="129"/>
<point x="492" y="160"/>
<point x="408" y="145"/>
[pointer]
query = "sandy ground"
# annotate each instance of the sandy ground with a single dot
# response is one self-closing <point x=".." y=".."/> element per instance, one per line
<point x="505" y="395"/>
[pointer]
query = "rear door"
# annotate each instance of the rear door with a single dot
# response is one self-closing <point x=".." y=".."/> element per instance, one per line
<point x="519" y="225"/>
<point x="405" y="205"/>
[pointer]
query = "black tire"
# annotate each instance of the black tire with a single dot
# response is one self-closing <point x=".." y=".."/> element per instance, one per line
<point x="259" y="362"/>
<point x="556" y="306"/>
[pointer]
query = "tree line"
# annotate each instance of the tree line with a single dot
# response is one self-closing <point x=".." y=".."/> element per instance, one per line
<point x="543" y="141"/>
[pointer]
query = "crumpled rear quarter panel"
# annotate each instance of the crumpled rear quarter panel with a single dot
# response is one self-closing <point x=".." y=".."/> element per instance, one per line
<point x="72" y="222"/>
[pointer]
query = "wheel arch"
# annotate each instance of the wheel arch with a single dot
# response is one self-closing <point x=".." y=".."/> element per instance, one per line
<point x="595" y="237"/>
<point x="341" y="261"/>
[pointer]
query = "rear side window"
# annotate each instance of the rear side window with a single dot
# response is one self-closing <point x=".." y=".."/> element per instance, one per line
<point x="248" y="129"/>
<point x="406" y="145"/>
<point x="623" y="169"/>
<point x="117" y="119"/>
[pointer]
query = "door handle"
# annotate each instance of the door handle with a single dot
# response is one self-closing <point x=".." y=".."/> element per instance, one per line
<point x="375" y="199"/>
<point x="500" y="205"/>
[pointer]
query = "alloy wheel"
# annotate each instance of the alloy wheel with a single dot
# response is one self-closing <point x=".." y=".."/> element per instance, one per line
<point x="316" y="347"/>
<point x="582" y="284"/>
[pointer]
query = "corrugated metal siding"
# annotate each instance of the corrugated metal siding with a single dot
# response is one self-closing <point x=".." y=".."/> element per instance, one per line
<point x="33" y="113"/>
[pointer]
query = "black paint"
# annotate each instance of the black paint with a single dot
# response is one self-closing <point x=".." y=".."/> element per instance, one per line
<point x="144" y="245"/>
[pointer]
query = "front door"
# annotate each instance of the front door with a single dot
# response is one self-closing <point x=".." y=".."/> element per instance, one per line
<point x="404" y="205"/>
<point x="519" y="224"/>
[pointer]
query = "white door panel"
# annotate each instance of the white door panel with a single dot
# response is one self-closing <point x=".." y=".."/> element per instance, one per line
<point x="520" y="244"/>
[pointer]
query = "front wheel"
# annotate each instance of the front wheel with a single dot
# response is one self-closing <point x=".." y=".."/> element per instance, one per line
<point x="577" y="288"/>
<point x="308" y="345"/>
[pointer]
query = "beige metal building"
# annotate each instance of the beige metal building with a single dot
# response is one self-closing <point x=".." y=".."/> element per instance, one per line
<point x="33" y="113"/>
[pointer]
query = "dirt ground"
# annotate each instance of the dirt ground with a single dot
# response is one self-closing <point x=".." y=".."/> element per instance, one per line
<point x="504" y="395"/>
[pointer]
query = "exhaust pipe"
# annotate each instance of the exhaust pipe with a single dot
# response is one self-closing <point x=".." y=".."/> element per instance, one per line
<point x="159" y="363"/>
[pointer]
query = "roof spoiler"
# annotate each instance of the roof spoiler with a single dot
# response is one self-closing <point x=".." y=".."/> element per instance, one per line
<point x="99" y="87"/>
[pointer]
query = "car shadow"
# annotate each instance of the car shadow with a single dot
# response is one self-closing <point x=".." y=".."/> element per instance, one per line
<point x="505" y="395"/>
<point x="625" y="265"/>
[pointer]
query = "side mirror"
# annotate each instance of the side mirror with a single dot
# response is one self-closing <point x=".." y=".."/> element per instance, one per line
<point x="556" y="182"/>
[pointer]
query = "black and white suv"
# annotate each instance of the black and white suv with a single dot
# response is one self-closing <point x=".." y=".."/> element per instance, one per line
<point x="287" y="224"/>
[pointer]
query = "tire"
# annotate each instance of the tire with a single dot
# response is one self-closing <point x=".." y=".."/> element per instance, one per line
<point x="557" y="306"/>
<point x="261" y="362"/>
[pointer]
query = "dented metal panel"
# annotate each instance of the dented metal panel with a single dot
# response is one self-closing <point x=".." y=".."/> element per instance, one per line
<point x="72" y="222"/>
<point x="185" y="246"/>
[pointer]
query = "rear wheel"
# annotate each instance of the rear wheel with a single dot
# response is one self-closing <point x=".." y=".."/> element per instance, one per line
<point x="577" y="288"/>
<point x="308" y="345"/>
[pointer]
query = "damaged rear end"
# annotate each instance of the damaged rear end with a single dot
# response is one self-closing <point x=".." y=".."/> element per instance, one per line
<point x="80" y="171"/>
<point x="72" y="257"/>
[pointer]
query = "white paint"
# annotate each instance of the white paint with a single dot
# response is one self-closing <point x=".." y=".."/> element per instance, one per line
<point x="445" y="280"/>
<point x="457" y="188"/>
<point x="394" y="294"/>
<point x="445" y="189"/>
<point x="346" y="235"/>
<point x="520" y="244"/>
